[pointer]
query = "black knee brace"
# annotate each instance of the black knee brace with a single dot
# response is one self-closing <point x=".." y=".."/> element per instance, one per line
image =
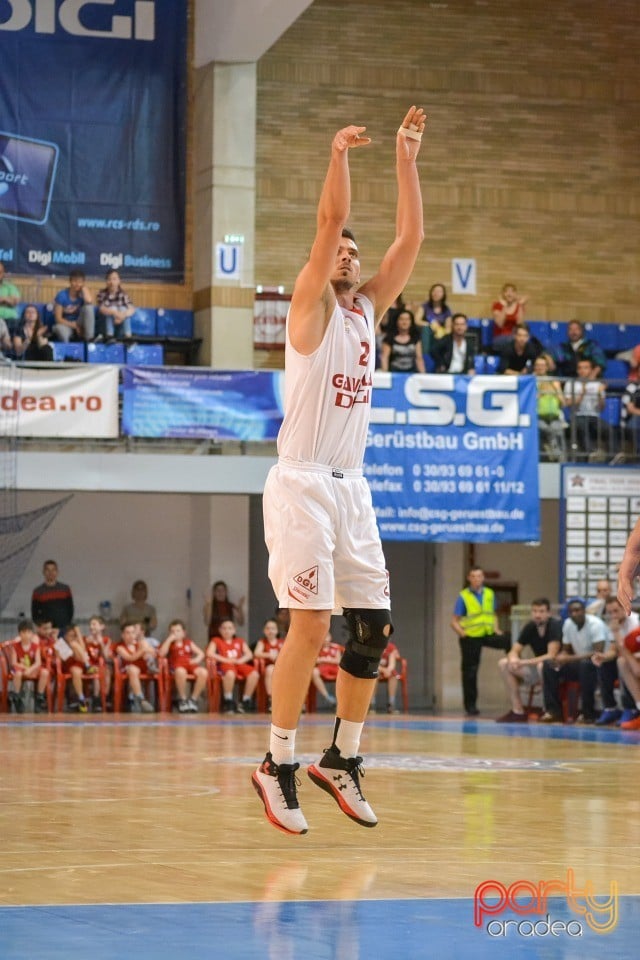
<point x="367" y="640"/>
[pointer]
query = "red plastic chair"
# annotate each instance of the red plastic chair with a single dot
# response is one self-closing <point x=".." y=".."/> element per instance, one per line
<point x="120" y="680"/>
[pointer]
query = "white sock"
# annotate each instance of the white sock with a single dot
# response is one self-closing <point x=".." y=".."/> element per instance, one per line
<point x="346" y="737"/>
<point x="282" y="744"/>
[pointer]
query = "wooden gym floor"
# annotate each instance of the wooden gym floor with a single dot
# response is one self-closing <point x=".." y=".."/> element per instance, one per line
<point x="142" y="837"/>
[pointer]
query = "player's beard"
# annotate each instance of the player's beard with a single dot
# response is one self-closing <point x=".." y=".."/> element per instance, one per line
<point x="344" y="284"/>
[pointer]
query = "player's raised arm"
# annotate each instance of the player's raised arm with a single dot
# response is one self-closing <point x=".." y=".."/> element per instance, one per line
<point x="629" y="568"/>
<point x="313" y="299"/>
<point x="399" y="260"/>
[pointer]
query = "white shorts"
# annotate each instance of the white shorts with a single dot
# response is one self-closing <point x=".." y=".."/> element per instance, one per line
<point x="323" y="540"/>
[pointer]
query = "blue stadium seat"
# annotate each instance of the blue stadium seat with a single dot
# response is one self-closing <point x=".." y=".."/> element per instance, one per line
<point x="144" y="322"/>
<point x="628" y="336"/>
<point x="68" y="351"/>
<point x="429" y="363"/>
<point x="611" y="411"/>
<point x="145" y="355"/>
<point x="175" y="323"/>
<point x="487" y="332"/>
<point x="47" y="314"/>
<point x="105" y="352"/>
<point x="605" y="334"/>
<point x="617" y="370"/>
<point x="540" y="330"/>
<point x="486" y="364"/>
<point x="557" y="333"/>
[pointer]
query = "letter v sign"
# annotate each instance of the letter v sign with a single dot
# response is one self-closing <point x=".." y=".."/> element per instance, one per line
<point x="463" y="276"/>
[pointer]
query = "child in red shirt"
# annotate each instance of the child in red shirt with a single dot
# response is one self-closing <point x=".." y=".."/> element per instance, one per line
<point x="26" y="664"/>
<point x="185" y="658"/>
<point x="234" y="660"/>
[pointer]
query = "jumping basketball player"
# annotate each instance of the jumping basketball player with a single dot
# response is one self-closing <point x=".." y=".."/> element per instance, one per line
<point x="320" y="527"/>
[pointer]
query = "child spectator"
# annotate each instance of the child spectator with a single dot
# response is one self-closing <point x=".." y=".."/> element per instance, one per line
<point x="266" y="651"/>
<point x="99" y="646"/>
<point x="26" y="664"/>
<point x="115" y="308"/>
<point x="134" y="652"/>
<point x="74" y="317"/>
<point x="326" y="669"/>
<point x="184" y="657"/>
<point x="233" y="656"/>
<point x="81" y="663"/>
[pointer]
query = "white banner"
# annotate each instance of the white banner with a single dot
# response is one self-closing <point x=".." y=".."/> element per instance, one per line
<point x="73" y="401"/>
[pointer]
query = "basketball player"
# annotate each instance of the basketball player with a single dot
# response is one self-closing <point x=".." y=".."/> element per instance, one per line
<point x="320" y="527"/>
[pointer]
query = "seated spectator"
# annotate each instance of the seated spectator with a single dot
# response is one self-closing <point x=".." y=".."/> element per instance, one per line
<point x="25" y="663"/>
<point x="606" y="663"/>
<point x="597" y="604"/>
<point x="234" y="661"/>
<point x="99" y="646"/>
<point x="402" y="348"/>
<point x="218" y="607"/>
<point x="135" y="654"/>
<point x="543" y="634"/>
<point x="508" y="312"/>
<point x="47" y="636"/>
<point x="184" y="657"/>
<point x="115" y="308"/>
<point x="266" y="651"/>
<point x="552" y="425"/>
<point x="77" y="665"/>
<point x="326" y="669"/>
<point x="629" y="674"/>
<point x="6" y="343"/>
<point x="388" y="670"/>
<point x="630" y="415"/>
<point x="437" y="313"/>
<point x="586" y="396"/>
<point x="73" y="313"/>
<point x="23" y="333"/>
<point x="582" y="636"/>
<point x="9" y="299"/>
<point x="578" y="347"/>
<point x="518" y="356"/>
<point x="139" y="610"/>
<point x="38" y="349"/>
<point x="455" y="352"/>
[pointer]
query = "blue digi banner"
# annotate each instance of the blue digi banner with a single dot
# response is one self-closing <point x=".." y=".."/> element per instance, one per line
<point x="202" y="404"/>
<point x="93" y="137"/>
<point x="454" y="458"/>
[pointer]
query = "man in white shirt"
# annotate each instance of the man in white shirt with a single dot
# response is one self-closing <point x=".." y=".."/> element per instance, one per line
<point x="582" y="636"/>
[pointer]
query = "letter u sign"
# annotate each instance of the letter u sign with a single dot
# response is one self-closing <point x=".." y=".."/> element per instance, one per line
<point x="228" y="261"/>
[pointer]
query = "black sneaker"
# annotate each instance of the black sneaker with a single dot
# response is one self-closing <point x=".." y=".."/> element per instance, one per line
<point x="96" y="705"/>
<point x="40" y="705"/>
<point x="340" y="777"/>
<point x="183" y="706"/>
<point x="193" y="705"/>
<point x="228" y="706"/>
<point x="276" y="786"/>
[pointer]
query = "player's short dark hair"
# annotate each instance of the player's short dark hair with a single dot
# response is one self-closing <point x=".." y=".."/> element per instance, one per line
<point x="348" y="233"/>
<point x="77" y="275"/>
<point x="466" y="320"/>
<point x="24" y="625"/>
<point x="177" y="623"/>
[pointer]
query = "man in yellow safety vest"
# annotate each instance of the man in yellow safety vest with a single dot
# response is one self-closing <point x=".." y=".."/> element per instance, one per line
<point x="474" y="620"/>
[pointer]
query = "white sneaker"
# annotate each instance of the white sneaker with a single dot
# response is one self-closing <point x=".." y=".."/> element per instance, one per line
<point x="340" y="778"/>
<point x="276" y="787"/>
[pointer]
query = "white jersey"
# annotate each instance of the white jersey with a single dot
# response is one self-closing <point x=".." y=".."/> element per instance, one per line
<point x="328" y="393"/>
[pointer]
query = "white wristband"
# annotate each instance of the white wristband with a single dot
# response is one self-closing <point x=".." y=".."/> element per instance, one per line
<point x="411" y="131"/>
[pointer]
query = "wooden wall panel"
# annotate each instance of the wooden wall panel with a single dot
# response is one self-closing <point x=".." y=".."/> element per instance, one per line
<point x="530" y="162"/>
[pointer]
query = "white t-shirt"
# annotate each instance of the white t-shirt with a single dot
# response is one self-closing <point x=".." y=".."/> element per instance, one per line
<point x="327" y="399"/>
<point x="594" y="631"/>
<point x="589" y="405"/>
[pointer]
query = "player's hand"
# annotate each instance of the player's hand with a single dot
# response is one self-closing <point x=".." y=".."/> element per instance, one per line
<point x="407" y="147"/>
<point x="350" y="137"/>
